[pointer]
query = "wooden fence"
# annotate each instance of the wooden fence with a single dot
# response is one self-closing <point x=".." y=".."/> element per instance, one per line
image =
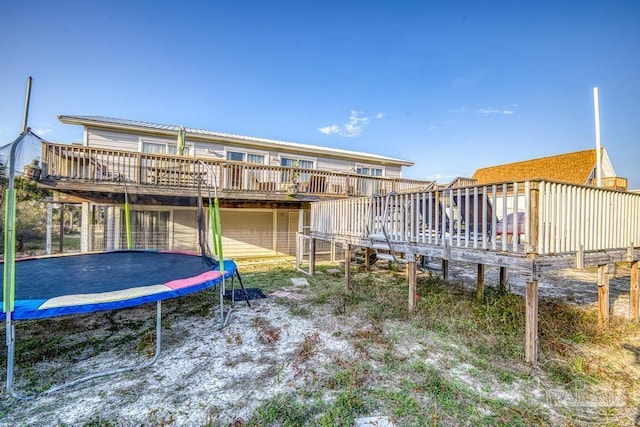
<point x="539" y="217"/>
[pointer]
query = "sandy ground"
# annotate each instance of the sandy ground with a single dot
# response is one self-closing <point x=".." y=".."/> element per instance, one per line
<point x="205" y="375"/>
<point x="576" y="286"/>
<point x="212" y="376"/>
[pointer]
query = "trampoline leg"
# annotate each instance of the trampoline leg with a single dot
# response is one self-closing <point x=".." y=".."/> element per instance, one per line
<point x="233" y="289"/>
<point x="246" y="297"/>
<point x="10" y="332"/>
<point x="158" y="337"/>
<point x="92" y="376"/>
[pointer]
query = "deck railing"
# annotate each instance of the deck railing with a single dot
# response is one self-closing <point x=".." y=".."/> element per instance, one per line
<point x="520" y="217"/>
<point x="76" y="162"/>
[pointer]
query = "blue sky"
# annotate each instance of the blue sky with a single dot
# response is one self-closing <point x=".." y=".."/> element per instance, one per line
<point x="451" y="86"/>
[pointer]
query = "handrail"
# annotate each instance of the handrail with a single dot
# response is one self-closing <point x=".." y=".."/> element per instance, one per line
<point x="90" y="164"/>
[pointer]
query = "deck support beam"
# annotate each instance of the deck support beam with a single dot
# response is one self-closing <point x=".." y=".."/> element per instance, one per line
<point x="347" y="267"/>
<point x="603" y="294"/>
<point x="85" y="228"/>
<point x="480" y="293"/>
<point x="445" y="269"/>
<point x="367" y="254"/>
<point x="502" y="284"/>
<point x="312" y="256"/>
<point x="634" y="296"/>
<point x="413" y="282"/>
<point x="531" y="325"/>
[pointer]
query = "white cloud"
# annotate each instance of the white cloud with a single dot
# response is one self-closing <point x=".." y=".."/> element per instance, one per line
<point x="328" y="130"/>
<point x="488" y="111"/>
<point x="353" y="127"/>
<point x="460" y="110"/>
<point x="42" y="132"/>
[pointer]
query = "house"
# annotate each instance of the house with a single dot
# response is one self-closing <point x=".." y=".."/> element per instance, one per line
<point x="264" y="186"/>
<point x="577" y="168"/>
<point x="573" y="168"/>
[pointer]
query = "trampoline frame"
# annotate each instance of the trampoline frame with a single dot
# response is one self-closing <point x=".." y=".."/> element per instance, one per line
<point x="10" y="332"/>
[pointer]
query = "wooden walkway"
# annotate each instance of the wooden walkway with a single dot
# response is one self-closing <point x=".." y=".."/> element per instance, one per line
<point x="531" y="227"/>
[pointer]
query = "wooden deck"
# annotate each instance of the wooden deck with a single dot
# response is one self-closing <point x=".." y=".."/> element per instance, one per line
<point x="531" y="227"/>
<point x="86" y="169"/>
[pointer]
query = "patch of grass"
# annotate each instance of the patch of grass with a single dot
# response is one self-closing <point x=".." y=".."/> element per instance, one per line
<point x="350" y="374"/>
<point x="344" y="409"/>
<point x="402" y="405"/>
<point x="284" y="410"/>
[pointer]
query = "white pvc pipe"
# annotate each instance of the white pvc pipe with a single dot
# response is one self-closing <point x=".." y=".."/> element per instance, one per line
<point x="596" y="108"/>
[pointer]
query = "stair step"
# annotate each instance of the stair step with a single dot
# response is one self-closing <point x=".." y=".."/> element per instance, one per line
<point x="387" y="257"/>
<point x="377" y="236"/>
<point x="381" y="246"/>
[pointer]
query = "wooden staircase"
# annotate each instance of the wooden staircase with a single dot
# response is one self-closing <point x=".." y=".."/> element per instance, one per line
<point x="380" y="241"/>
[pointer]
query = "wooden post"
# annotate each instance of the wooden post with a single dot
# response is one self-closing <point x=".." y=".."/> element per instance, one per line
<point x="603" y="294"/>
<point x="445" y="269"/>
<point x="312" y="256"/>
<point x="534" y="220"/>
<point x="85" y="228"/>
<point x="347" y="267"/>
<point x="413" y="285"/>
<point x="47" y="245"/>
<point x="531" y="325"/>
<point x="367" y="253"/>
<point x="503" y="279"/>
<point x="480" y="294"/>
<point x="333" y="251"/>
<point x="634" y="300"/>
<point x="61" y="225"/>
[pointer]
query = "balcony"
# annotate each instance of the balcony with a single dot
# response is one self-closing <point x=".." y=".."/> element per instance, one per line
<point x="78" y="168"/>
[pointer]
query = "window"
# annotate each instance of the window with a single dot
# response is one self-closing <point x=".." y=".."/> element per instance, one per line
<point x="255" y="158"/>
<point x="162" y="148"/>
<point x="296" y="163"/>
<point x="239" y="156"/>
<point x="236" y="156"/>
<point x="369" y="170"/>
<point x="153" y="148"/>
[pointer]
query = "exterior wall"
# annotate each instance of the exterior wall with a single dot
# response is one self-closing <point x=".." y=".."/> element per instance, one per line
<point x="245" y="232"/>
<point x="101" y="138"/>
<point x="113" y="140"/>
<point x="185" y="230"/>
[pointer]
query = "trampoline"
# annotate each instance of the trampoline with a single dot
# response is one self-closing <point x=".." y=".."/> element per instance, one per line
<point x="56" y="286"/>
<point x="85" y="283"/>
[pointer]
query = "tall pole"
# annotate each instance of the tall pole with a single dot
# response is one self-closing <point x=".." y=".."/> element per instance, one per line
<point x="10" y="251"/>
<point x="26" y="105"/>
<point x="596" y="108"/>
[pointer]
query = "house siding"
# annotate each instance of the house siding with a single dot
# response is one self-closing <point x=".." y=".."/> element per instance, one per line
<point x="110" y="140"/>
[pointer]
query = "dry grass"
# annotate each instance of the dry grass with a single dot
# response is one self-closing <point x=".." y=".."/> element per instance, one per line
<point x="452" y="361"/>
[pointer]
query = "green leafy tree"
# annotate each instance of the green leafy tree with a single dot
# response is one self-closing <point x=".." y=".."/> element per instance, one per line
<point x="30" y="209"/>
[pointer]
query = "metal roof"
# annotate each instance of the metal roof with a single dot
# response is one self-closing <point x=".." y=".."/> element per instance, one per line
<point x="126" y="124"/>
